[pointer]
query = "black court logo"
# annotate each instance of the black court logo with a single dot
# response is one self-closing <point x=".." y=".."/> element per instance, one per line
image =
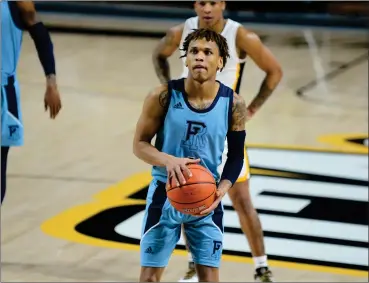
<point x="195" y="135"/>
<point x="312" y="203"/>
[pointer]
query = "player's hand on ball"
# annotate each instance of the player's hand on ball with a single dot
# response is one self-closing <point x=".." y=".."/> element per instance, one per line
<point x="177" y="169"/>
<point x="220" y="193"/>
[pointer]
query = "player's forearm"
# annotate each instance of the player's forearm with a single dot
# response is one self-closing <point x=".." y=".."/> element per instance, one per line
<point x="51" y="80"/>
<point x="268" y="86"/>
<point x="225" y="185"/>
<point x="149" y="154"/>
<point x="162" y="68"/>
<point x="44" y="47"/>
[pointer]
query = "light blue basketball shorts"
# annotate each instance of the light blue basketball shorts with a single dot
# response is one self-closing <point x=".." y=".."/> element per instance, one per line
<point x="12" y="132"/>
<point x="161" y="231"/>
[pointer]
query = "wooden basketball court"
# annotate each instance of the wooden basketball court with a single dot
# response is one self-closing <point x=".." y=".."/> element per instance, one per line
<point x="76" y="192"/>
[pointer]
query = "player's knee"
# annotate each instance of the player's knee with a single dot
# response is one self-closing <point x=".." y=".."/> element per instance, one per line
<point x="241" y="198"/>
<point x="149" y="277"/>
<point x="207" y="274"/>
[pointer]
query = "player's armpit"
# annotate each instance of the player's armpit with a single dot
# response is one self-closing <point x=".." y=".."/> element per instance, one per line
<point x="239" y="113"/>
<point x="149" y="122"/>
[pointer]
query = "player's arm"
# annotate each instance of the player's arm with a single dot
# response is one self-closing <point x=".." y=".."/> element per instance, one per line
<point x="45" y="51"/>
<point x="250" y="43"/>
<point x="236" y="149"/>
<point x="236" y="143"/>
<point x="148" y="124"/>
<point x="166" y="47"/>
<point x="41" y="38"/>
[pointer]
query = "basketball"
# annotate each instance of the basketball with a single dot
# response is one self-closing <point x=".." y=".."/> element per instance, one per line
<point x="196" y="195"/>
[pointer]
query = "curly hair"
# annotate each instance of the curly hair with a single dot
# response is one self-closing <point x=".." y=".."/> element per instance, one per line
<point x="209" y="35"/>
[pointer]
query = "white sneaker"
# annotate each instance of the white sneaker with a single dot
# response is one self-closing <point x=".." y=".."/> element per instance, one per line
<point x="190" y="276"/>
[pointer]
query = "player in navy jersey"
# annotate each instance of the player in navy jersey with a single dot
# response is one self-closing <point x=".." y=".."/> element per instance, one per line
<point x="17" y="17"/>
<point x="191" y="118"/>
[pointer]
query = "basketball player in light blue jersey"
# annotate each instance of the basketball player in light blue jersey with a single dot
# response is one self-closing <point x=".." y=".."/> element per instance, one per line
<point x="191" y="118"/>
<point x="16" y="17"/>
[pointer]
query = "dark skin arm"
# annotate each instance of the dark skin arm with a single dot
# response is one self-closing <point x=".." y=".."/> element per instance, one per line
<point x="166" y="47"/>
<point x="148" y="125"/>
<point x="52" y="99"/>
<point x="251" y="44"/>
<point x="239" y="115"/>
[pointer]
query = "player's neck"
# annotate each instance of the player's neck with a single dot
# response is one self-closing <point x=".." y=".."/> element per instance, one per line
<point x="218" y="27"/>
<point x="203" y="90"/>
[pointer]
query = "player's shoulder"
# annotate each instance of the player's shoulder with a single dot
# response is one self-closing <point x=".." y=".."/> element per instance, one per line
<point x="164" y="90"/>
<point x="238" y="101"/>
<point x="176" y="31"/>
<point x="157" y="92"/>
<point x="225" y="90"/>
<point x="189" y="23"/>
<point x="246" y="35"/>
<point x="157" y="96"/>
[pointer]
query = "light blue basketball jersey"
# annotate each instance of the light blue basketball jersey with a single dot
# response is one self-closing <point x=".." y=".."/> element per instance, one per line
<point x="188" y="132"/>
<point x="11" y="44"/>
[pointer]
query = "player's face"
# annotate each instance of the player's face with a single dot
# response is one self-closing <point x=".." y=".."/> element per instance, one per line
<point x="209" y="12"/>
<point x="203" y="60"/>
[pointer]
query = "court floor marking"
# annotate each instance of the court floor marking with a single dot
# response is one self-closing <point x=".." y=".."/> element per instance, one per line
<point x="109" y="197"/>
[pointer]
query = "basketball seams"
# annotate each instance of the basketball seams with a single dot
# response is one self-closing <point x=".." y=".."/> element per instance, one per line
<point x="196" y="168"/>
<point x="201" y="169"/>
<point x="194" y="201"/>
<point x="189" y="184"/>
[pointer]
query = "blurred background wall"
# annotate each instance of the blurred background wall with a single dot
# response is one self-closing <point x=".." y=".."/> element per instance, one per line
<point x="112" y="16"/>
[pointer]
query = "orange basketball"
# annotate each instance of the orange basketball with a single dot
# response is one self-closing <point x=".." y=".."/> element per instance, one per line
<point x="196" y="195"/>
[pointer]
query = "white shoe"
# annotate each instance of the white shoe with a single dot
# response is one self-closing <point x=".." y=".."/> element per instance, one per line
<point x="190" y="276"/>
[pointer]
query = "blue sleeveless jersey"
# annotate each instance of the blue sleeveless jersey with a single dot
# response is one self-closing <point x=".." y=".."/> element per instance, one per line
<point x="188" y="132"/>
<point x="11" y="43"/>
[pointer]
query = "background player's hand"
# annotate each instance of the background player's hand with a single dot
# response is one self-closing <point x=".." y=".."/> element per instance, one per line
<point x="177" y="169"/>
<point x="52" y="101"/>
<point x="223" y="188"/>
<point x="249" y="114"/>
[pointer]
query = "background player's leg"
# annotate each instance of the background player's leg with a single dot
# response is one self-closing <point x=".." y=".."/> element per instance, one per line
<point x="250" y="223"/>
<point x="190" y="275"/>
<point x="4" y="162"/>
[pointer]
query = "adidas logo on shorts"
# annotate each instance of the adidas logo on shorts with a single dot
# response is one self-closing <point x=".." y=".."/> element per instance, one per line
<point x="149" y="251"/>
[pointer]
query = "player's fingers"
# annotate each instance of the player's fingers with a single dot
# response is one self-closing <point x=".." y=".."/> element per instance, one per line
<point x="58" y="107"/>
<point x="191" y="161"/>
<point x="172" y="176"/>
<point x="179" y="175"/>
<point x="220" y="193"/>
<point x="186" y="171"/>
<point x="210" y="208"/>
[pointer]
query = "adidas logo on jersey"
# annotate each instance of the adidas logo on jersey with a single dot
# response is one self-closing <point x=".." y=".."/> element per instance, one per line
<point x="178" y="105"/>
